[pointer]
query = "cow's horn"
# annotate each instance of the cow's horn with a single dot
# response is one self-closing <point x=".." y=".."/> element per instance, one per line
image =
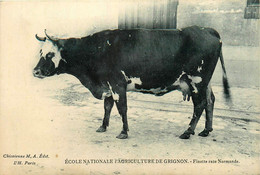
<point x="40" y="38"/>
<point x="50" y="37"/>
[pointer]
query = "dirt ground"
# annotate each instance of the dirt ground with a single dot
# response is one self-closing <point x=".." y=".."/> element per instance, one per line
<point x="58" y="117"/>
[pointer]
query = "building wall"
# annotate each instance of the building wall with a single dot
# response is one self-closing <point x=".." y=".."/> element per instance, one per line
<point x="227" y="17"/>
<point x="149" y="14"/>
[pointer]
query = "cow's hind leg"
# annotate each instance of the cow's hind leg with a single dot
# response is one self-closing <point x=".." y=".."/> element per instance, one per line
<point x="199" y="102"/>
<point x="122" y="109"/>
<point x="118" y="91"/>
<point x="108" y="105"/>
<point x="209" y="112"/>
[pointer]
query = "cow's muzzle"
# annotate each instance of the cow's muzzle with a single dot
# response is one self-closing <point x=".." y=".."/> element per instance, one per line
<point x="38" y="73"/>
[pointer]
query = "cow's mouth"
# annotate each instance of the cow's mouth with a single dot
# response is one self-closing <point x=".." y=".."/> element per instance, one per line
<point x="42" y="74"/>
<point x="39" y="73"/>
<point x="39" y="76"/>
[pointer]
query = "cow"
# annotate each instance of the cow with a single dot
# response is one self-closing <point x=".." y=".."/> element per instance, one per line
<point x="155" y="61"/>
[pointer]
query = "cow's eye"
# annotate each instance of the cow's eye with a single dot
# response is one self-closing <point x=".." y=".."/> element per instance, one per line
<point x="49" y="55"/>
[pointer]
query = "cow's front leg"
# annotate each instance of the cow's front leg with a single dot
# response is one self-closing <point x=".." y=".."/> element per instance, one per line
<point x="122" y="109"/>
<point x="108" y="105"/>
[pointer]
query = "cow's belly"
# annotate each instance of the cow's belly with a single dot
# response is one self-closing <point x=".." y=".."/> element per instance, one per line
<point x="136" y="85"/>
<point x="185" y="83"/>
<point x="185" y="86"/>
<point x="155" y="91"/>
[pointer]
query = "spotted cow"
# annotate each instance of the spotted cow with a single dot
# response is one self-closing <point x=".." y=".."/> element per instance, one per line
<point x="112" y="62"/>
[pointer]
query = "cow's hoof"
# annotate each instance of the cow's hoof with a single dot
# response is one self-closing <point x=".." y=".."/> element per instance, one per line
<point x="205" y="133"/>
<point x="101" y="129"/>
<point x="122" y="135"/>
<point x="186" y="134"/>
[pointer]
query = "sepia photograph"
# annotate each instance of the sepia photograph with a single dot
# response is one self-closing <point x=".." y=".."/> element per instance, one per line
<point x="130" y="87"/>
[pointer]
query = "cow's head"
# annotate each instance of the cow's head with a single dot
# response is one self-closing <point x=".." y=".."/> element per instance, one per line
<point x="49" y="56"/>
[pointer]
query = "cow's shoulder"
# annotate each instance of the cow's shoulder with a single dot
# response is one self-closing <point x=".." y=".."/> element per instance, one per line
<point x="108" y="34"/>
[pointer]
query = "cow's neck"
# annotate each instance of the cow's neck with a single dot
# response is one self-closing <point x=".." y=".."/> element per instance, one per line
<point x="83" y="73"/>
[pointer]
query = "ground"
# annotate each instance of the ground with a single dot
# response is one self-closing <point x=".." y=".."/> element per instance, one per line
<point x="58" y="117"/>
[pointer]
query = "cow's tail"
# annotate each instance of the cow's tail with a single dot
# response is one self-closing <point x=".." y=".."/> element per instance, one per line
<point x="224" y="78"/>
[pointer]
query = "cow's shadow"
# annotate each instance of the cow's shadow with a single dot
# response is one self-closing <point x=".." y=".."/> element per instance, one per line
<point x="73" y="95"/>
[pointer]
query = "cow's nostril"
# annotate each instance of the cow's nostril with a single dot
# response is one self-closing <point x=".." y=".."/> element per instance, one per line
<point x="36" y="72"/>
